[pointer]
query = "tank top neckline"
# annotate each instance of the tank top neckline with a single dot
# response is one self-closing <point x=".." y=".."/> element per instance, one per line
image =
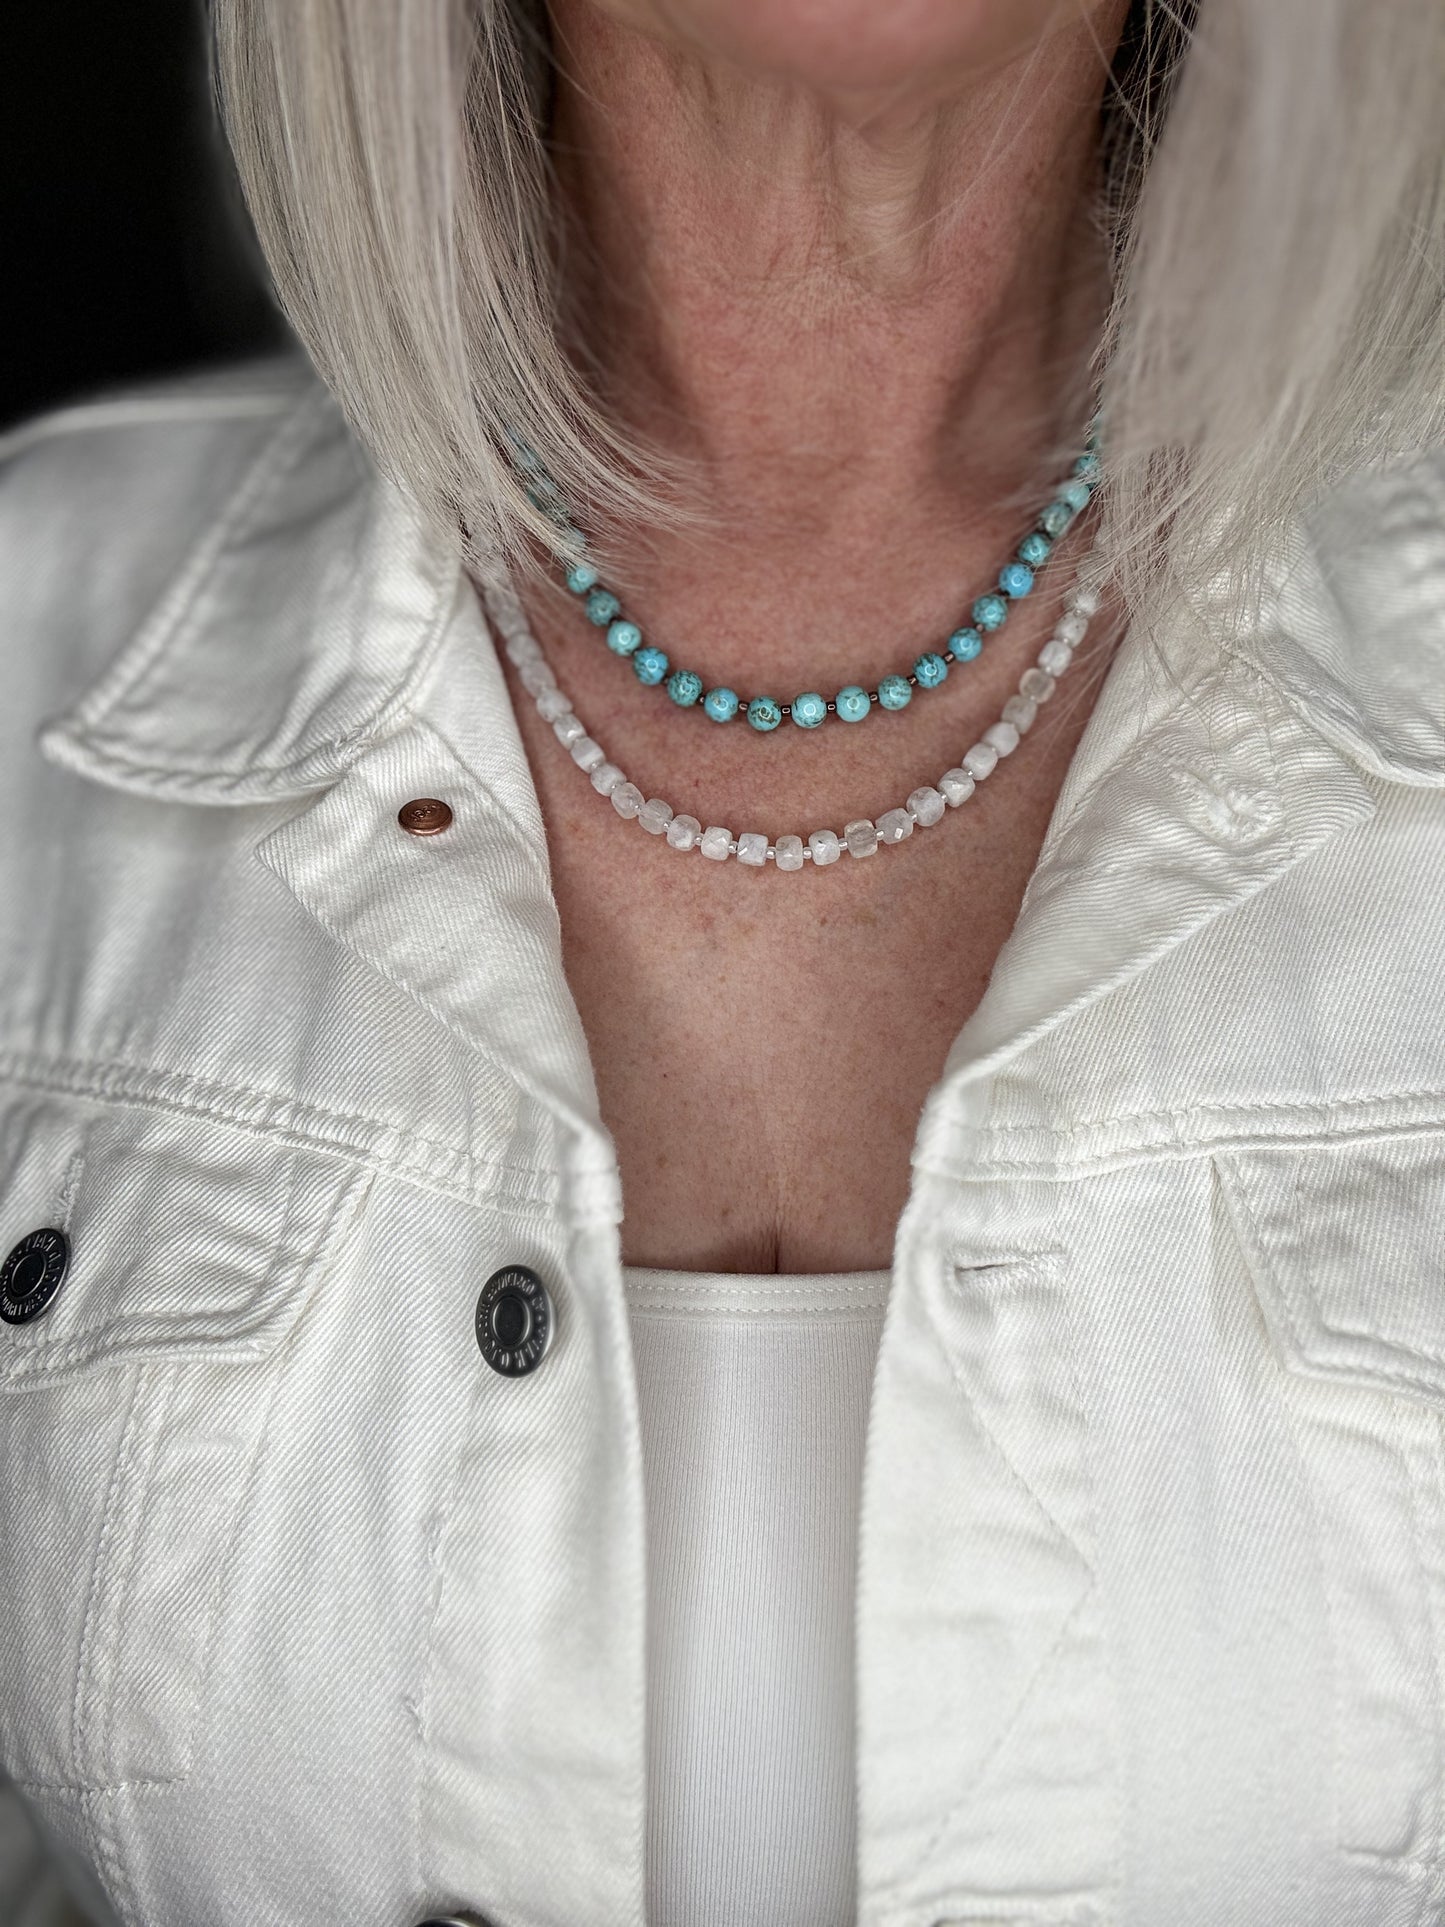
<point x="754" y="1295"/>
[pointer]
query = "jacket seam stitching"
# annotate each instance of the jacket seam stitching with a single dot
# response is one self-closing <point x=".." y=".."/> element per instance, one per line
<point x="981" y="1165"/>
<point x="299" y="1129"/>
<point x="149" y="1429"/>
<point x="83" y="1691"/>
<point x="1267" y="1105"/>
<point x="1417" y="1490"/>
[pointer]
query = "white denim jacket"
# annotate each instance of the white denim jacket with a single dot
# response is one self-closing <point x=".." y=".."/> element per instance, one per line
<point x="309" y="1616"/>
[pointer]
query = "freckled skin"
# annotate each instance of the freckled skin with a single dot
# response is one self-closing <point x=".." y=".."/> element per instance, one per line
<point x="763" y="1074"/>
<point x="836" y="260"/>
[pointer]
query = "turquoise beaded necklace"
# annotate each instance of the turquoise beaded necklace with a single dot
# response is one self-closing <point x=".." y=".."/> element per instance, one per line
<point x="686" y="688"/>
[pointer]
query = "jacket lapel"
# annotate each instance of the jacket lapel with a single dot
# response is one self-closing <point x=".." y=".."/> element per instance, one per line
<point x="464" y="922"/>
<point x="1227" y="747"/>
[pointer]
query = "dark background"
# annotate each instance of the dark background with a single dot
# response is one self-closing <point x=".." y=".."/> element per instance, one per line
<point x="124" y="246"/>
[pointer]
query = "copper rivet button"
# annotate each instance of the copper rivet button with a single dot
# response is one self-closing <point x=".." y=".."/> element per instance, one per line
<point x="32" y="1273"/>
<point x="424" y="816"/>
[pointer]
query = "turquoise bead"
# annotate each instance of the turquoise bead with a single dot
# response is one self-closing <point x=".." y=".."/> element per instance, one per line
<point x="895" y="692"/>
<point x="1056" y="517"/>
<point x="650" y="665"/>
<point x="623" y="638"/>
<point x="990" y="612"/>
<point x="930" y="670"/>
<point x="851" y="704"/>
<point x="581" y="577"/>
<point x="1015" y="579"/>
<point x="964" y="644"/>
<point x="808" y="711"/>
<point x="684" y="686"/>
<point x="721" y="705"/>
<point x="764" y="713"/>
<point x="1076" y="494"/>
<point x="1034" y="549"/>
<point x="1087" y="466"/>
<point x="602" y="606"/>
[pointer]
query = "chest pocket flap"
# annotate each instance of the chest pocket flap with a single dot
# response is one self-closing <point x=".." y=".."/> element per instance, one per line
<point x="131" y="1407"/>
<point x="1346" y="1246"/>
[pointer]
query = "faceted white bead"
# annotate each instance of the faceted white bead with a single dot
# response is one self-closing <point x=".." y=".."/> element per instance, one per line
<point x="522" y="650"/>
<point x="980" y="760"/>
<point x="957" y="786"/>
<point x="553" y="703"/>
<point x="537" y="676"/>
<point x="606" y="778"/>
<point x="626" y="799"/>
<point x="1085" y="600"/>
<point x="717" y="842"/>
<point x="587" y="755"/>
<point x="1020" y="711"/>
<point x="1037" y="685"/>
<point x="788" y="853"/>
<point x="861" y="837"/>
<point x="683" y="832"/>
<point x="927" y="806"/>
<point x="752" y="848"/>
<point x="1003" y="736"/>
<point x="1055" y="656"/>
<point x="569" y="729"/>
<point x="655" y="815"/>
<point x="825" y="847"/>
<point x="893" y="826"/>
<point x="1071" y="628"/>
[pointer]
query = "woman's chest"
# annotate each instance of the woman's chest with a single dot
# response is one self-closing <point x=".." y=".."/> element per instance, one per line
<point x="763" y="1042"/>
<point x="763" y="1073"/>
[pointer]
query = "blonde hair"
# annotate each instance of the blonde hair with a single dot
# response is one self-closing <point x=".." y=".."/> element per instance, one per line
<point x="1274" y="173"/>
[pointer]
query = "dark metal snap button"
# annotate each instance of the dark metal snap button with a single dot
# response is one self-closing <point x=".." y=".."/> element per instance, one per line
<point x="514" y="1321"/>
<point x="32" y="1273"/>
<point x="424" y="816"/>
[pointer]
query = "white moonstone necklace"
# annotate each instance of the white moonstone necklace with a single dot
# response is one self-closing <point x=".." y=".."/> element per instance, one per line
<point x="863" y="837"/>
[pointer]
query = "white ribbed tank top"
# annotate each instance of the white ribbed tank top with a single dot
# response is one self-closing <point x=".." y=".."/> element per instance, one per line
<point x="753" y="1395"/>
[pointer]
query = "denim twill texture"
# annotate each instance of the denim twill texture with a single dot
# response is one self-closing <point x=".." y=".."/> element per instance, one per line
<point x="311" y="1617"/>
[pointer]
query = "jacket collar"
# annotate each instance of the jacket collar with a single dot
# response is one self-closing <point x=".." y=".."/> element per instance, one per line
<point x="1350" y="624"/>
<point x="290" y="637"/>
<point x="1213" y="763"/>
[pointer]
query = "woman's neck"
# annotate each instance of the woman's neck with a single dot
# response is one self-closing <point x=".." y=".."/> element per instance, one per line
<point x="849" y="309"/>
